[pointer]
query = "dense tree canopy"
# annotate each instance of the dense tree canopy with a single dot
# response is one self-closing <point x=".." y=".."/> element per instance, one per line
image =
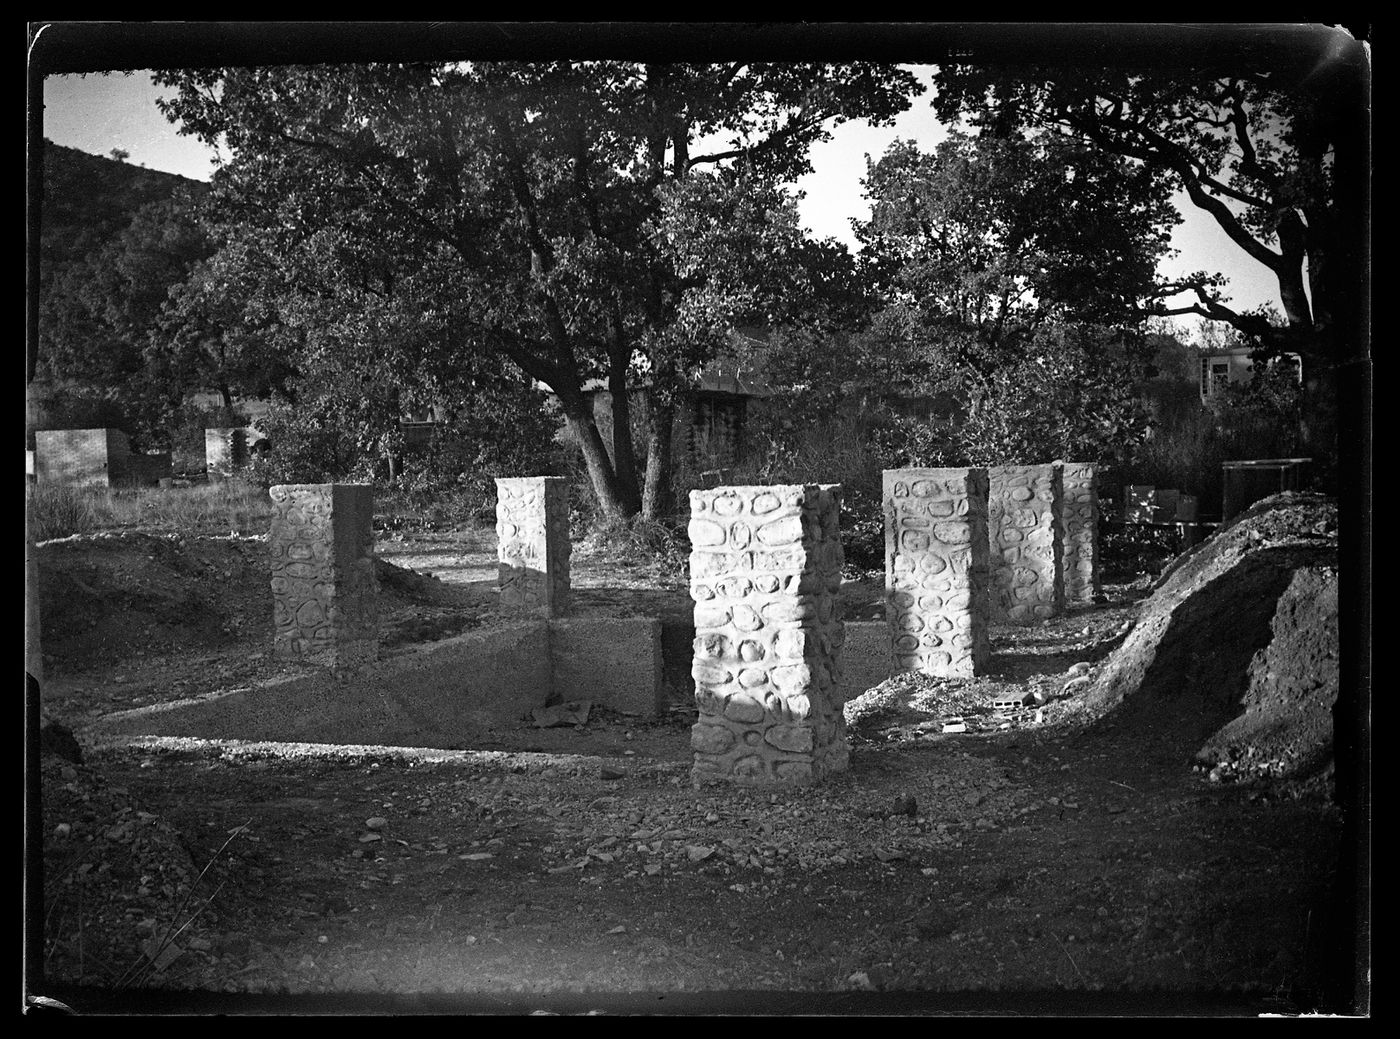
<point x="1255" y="148"/>
<point x="985" y="239"/>
<point x="577" y="220"/>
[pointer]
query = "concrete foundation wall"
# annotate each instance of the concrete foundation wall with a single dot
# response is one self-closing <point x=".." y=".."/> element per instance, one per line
<point x="440" y="695"/>
<point x="867" y="657"/>
<point x="613" y="663"/>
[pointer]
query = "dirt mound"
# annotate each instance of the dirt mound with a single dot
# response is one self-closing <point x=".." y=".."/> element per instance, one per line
<point x="1286" y="728"/>
<point x="105" y="597"/>
<point x="1221" y="620"/>
<point x="111" y="596"/>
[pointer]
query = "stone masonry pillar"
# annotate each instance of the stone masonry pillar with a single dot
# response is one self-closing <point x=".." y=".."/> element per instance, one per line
<point x="936" y="599"/>
<point x="1080" y="538"/>
<point x="532" y="544"/>
<point x="765" y="574"/>
<point x="324" y="587"/>
<point x="1024" y="516"/>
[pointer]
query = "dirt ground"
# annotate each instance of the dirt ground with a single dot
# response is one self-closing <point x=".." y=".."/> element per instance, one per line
<point x="1051" y="861"/>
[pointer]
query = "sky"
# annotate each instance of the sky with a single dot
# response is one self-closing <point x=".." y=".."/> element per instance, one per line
<point x="96" y="113"/>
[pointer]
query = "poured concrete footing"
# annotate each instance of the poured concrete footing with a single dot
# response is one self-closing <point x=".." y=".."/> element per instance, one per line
<point x="867" y="657"/>
<point x="439" y="695"/>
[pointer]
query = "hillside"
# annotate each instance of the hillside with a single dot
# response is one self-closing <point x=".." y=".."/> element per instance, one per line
<point x="88" y="199"/>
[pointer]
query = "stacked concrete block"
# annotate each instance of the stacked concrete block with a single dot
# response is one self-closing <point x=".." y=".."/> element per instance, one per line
<point x="532" y="544"/>
<point x="936" y="550"/>
<point x="82" y="457"/>
<point x="765" y="574"/>
<point x="1024" y="505"/>
<point x="225" y="450"/>
<point x="324" y="586"/>
<point x="1079" y="483"/>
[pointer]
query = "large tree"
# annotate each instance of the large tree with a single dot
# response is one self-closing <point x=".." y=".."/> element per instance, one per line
<point x="580" y="219"/>
<point x="1267" y="150"/>
<point x="980" y="242"/>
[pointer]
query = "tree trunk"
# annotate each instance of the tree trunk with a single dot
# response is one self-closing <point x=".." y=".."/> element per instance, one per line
<point x="579" y="422"/>
<point x="623" y="453"/>
<point x="656" y="497"/>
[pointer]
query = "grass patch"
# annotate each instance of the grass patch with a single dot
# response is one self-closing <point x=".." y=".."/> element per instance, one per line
<point x="227" y="507"/>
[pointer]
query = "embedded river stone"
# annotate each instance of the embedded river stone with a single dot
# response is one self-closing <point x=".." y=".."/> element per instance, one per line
<point x="765" y="575"/>
<point x="324" y="587"/>
<point x="532" y="544"/>
<point x="1080" y="537"/>
<point x="1024" y="524"/>
<point x="936" y="553"/>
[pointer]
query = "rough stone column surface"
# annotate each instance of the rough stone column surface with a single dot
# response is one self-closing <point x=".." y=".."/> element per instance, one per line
<point x="324" y="587"/>
<point x="936" y="600"/>
<point x="765" y="574"/>
<point x="532" y="544"/>
<point x="1080" y="485"/>
<point x="1024" y="520"/>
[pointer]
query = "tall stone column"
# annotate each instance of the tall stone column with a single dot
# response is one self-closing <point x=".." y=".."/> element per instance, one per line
<point x="765" y="574"/>
<point x="324" y="587"/>
<point x="1080" y="485"/>
<point x="936" y="601"/>
<point x="532" y="544"/>
<point x="1024" y="516"/>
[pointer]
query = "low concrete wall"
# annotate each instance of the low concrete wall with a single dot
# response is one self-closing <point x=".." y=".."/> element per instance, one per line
<point x="437" y="696"/>
<point x="440" y="695"/>
<point x="613" y="663"/>
<point x="867" y="658"/>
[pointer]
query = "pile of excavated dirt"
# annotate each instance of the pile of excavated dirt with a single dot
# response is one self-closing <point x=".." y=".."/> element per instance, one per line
<point x="1234" y="657"/>
<point x="1286" y="728"/>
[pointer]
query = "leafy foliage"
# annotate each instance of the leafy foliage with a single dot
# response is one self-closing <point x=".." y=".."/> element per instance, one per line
<point x="556" y="215"/>
<point x="993" y="235"/>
